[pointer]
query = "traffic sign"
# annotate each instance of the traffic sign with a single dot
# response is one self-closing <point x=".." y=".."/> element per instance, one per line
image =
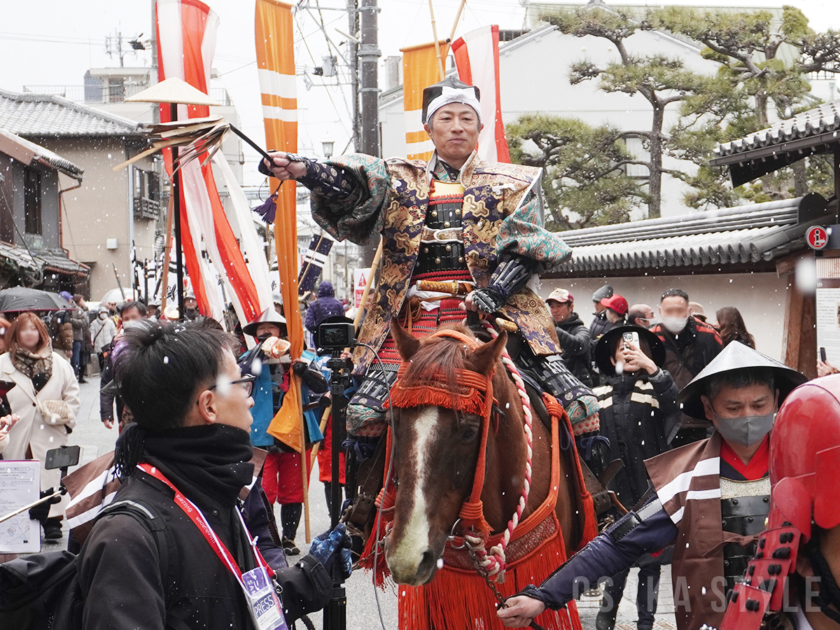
<point x="817" y="237"/>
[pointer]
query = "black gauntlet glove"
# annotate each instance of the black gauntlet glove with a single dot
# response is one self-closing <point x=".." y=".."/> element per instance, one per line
<point x="510" y="276"/>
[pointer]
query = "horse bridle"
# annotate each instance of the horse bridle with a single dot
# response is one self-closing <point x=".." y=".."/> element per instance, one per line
<point x="474" y="395"/>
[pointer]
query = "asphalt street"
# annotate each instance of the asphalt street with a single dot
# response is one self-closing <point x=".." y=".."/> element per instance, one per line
<point x="362" y="610"/>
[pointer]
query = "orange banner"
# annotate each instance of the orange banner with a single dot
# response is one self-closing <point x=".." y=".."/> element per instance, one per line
<point x="274" y="29"/>
<point x="420" y="70"/>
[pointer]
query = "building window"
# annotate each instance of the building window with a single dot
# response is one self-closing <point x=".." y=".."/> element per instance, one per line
<point x="32" y="201"/>
<point x="116" y="90"/>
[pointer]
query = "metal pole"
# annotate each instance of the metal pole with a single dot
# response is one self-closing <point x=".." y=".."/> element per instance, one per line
<point x="335" y="612"/>
<point x="353" y="19"/>
<point x="176" y="220"/>
<point x="369" y="55"/>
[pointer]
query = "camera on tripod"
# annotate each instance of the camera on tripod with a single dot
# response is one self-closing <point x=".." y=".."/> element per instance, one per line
<point x="336" y="335"/>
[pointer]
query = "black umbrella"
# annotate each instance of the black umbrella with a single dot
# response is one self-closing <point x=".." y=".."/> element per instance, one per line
<point x="20" y="299"/>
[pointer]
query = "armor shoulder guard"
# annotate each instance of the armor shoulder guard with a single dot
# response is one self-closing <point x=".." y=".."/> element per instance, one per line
<point x="518" y="172"/>
<point x="400" y="165"/>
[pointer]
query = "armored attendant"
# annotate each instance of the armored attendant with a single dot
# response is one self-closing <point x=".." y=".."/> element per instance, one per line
<point x="795" y="575"/>
<point x="473" y="224"/>
<point x="709" y="498"/>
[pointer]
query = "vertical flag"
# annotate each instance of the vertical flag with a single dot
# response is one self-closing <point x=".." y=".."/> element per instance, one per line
<point x="477" y="60"/>
<point x="186" y="39"/>
<point x="420" y="70"/>
<point x="274" y="36"/>
<point x="314" y="260"/>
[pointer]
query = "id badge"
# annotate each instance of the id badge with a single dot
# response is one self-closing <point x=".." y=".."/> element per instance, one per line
<point x="263" y="603"/>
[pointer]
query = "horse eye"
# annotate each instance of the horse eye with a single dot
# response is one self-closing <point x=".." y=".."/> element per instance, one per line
<point x="469" y="433"/>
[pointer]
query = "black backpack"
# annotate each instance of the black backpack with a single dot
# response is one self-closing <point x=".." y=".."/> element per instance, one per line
<point x="42" y="591"/>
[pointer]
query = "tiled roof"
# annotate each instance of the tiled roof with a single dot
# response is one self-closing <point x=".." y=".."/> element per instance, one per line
<point x="781" y="144"/>
<point x="748" y="234"/>
<point x="19" y="259"/>
<point x="31" y="153"/>
<point x="38" y="115"/>
<point x="59" y="261"/>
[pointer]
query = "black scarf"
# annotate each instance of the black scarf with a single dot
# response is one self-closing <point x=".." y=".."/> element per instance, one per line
<point x="211" y="460"/>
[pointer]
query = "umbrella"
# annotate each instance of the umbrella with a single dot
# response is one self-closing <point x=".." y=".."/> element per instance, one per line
<point x="20" y="299"/>
<point x="116" y="296"/>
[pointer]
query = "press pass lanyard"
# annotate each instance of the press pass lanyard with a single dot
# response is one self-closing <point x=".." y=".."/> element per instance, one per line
<point x="265" y="608"/>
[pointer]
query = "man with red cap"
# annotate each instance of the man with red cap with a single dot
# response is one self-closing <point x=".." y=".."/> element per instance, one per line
<point x="795" y="573"/>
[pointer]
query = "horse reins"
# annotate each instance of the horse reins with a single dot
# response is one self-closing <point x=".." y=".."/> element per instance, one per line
<point x="475" y="395"/>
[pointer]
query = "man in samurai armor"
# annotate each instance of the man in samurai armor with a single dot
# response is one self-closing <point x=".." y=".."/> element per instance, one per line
<point x="269" y="362"/>
<point x="792" y="582"/>
<point x="471" y="228"/>
<point x="709" y="499"/>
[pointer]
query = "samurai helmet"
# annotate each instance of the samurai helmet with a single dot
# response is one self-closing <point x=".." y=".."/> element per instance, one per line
<point x="450" y="90"/>
<point x="805" y="457"/>
<point x="736" y="356"/>
<point x="268" y="316"/>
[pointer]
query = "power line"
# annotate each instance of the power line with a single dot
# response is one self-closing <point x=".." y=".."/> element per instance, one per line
<point x="312" y="57"/>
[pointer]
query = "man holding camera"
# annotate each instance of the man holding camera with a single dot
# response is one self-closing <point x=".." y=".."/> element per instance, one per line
<point x="473" y="225"/>
<point x="271" y="366"/>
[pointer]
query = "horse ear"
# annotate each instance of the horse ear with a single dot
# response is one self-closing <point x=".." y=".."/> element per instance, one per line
<point x="488" y="355"/>
<point x="406" y="343"/>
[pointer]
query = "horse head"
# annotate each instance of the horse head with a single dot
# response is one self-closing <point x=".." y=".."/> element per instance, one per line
<point x="436" y="444"/>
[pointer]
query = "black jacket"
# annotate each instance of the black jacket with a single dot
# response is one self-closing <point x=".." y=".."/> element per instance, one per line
<point x="687" y="354"/>
<point x="120" y="569"/>
<point x="574" y="343"/>
<point x="598" y="328"/>
<point x="640" y="416"/>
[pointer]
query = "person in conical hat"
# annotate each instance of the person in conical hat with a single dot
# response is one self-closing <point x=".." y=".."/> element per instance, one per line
<point x="453" y="218"/>
<point x="799" y="561"/>
<point x="709" y="498"/>
<point x="269" y="362"/>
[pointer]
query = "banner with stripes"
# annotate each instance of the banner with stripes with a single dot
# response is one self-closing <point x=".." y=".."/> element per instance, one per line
<point x="420" y="70"/>
<point x="186" y="40"/>
<point x="477" y="59"/>
<point x="274" y="30"/>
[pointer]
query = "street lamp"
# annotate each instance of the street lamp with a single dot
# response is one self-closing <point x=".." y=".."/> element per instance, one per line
<point x="327" y="145"/>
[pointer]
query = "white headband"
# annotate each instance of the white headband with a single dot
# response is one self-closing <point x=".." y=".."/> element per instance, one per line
<point x="454" y="95"/>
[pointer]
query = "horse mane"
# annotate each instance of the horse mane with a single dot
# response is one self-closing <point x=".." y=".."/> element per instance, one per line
<point x="439" y="355"/>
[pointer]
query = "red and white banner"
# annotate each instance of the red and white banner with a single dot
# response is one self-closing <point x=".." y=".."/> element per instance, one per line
<point x="186" y="39"/>
<point x="477" y="60"/>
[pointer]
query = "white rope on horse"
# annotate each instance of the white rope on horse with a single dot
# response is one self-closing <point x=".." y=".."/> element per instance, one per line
<point x="493" y="562"/>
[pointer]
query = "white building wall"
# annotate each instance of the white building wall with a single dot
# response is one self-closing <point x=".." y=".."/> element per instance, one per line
<point x="534" y="78"/>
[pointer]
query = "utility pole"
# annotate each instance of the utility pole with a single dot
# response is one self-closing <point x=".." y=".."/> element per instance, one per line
<point x="369" y="55"/>
<point x="353" y="50"/>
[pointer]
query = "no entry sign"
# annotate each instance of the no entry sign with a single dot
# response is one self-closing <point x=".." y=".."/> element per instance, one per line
<point x="816" y="237"/>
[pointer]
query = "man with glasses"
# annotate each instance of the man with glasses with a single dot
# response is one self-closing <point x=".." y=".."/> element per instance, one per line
<point x="173" y="550"/>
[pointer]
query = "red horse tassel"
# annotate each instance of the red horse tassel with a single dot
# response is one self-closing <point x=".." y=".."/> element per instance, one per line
<point x="458" y="597"/>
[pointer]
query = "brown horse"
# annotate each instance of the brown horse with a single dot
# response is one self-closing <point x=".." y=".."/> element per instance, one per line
<point x="435" y="454"/>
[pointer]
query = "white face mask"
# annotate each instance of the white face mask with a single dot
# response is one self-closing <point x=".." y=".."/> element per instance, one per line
<point x="674" y="325"/>
<point x="103" y="315"/>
